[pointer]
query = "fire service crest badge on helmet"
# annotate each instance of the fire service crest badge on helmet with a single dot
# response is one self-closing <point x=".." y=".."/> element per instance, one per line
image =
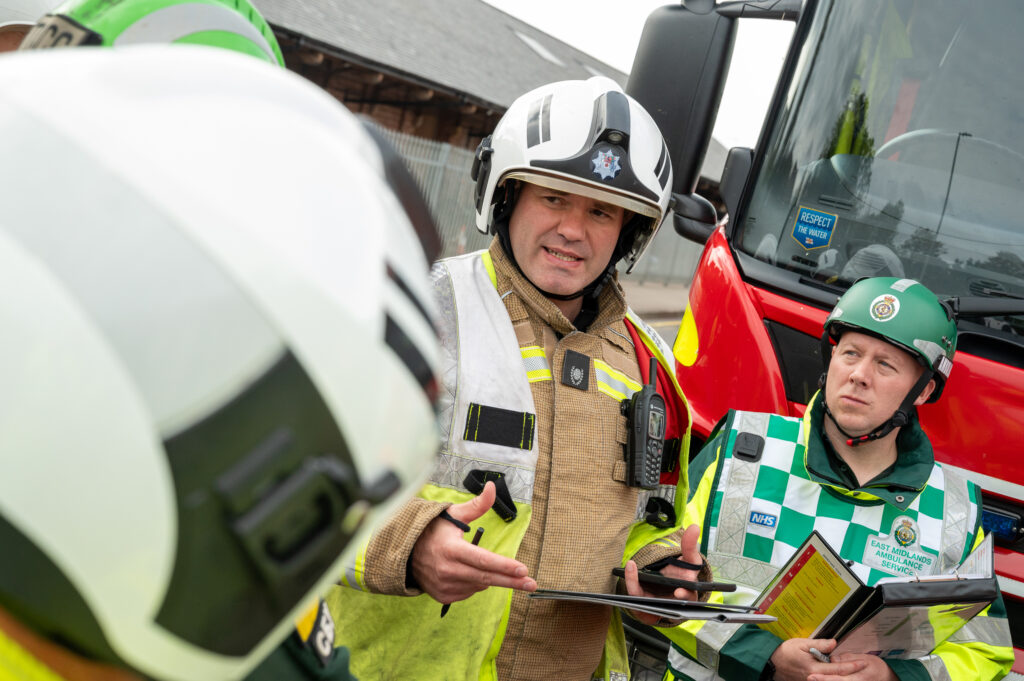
<point x="606" y="164"/>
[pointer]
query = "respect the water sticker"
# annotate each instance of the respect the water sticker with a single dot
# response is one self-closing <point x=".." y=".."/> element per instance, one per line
<point x="813" y="228"/>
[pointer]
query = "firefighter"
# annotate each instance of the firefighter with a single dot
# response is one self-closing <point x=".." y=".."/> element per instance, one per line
<point x="541" y="351"/>
<point x="230" y="24"/>
<point x="195" y="417"/>
<point x="857" y="468"/>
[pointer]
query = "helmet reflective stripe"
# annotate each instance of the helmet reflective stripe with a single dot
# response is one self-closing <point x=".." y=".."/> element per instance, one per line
<point x="538" y="125"/>
<point x="175" y="22"/>
<point x="935" y="354"/>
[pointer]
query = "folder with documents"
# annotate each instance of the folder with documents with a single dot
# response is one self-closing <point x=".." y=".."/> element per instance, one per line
<point x="817" y="595"/>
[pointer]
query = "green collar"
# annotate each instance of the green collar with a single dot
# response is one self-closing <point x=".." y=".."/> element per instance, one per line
<point x="898" y="485"/>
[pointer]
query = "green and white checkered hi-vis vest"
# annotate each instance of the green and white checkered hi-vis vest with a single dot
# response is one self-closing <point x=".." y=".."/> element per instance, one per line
<point x="762" y="511"/>
<point x="762" y="507"/>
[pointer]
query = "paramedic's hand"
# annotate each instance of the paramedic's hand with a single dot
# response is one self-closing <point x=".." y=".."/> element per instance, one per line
<point x="793" y="661"/>
<point x="449" y="568"/>
<point x="874" y="670"/>
<point x="689" y="553"/>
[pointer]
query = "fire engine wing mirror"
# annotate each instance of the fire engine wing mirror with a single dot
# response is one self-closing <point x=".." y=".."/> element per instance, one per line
<point x="734" y="177"/>
<point x="678" y="75"/>
<point x="787" y="10"/>
<point x="679" y="71"/>
<point x="694" y="217"/>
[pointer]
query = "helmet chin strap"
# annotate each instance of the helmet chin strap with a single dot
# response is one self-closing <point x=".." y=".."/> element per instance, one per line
<point x="900" y="418"/>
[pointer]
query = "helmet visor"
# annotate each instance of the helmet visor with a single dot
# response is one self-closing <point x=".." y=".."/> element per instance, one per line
<point x="608" y="195"/>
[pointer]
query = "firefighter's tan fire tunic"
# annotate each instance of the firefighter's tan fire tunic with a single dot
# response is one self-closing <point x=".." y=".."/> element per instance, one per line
<point x="510" y="348"/>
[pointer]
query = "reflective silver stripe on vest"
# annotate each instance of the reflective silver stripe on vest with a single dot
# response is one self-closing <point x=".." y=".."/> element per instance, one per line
<point x="451" y="470"/>
<point x="646" y="329"/>
<point x="935" y="667"/>
<point x="740" y="570"/>
<point x="992" y="631"/>
<point x="711" y="638"/>
<point x="726" y="556"/>
<point x="738" y="491"/>
<point x="537" y="363"/>
<point x="352" y="580"/>
<point x="612" y="382"/>
<point x="448" y="331"/>
<point x="956" y="516"/>
<point x="481" y="363"/>
<point x="685" y="665"/>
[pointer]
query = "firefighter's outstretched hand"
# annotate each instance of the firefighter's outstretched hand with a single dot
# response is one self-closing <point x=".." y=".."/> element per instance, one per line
<point x="449" y="568"/>
<point x="689" y="553"/>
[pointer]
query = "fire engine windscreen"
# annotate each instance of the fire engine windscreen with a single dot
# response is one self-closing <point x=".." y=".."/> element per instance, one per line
<point x="897" y="152"/>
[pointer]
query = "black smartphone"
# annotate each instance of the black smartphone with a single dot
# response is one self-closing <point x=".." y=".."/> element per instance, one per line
<point x="658" y="579"/>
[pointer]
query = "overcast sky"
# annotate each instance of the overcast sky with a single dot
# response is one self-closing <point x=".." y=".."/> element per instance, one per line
<point x="610" y="30"/>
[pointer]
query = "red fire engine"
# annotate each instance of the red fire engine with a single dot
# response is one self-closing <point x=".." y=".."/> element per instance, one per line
<point x="893" y="147"/>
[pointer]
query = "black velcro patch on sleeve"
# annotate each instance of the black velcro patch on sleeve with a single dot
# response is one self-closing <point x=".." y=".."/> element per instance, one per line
<point x="497" y="426"/>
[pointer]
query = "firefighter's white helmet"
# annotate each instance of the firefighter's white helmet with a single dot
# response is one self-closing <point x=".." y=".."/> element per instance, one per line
<point x="218" y="354"/>
<point x="584" y="137"/>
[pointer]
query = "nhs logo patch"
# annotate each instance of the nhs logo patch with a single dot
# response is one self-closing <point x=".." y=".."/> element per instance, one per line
<point x="763" y="519"/>
<point x="813" y="228"/>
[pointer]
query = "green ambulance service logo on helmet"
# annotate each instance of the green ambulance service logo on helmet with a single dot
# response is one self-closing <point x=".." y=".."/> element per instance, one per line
<point x="884" y="307"/>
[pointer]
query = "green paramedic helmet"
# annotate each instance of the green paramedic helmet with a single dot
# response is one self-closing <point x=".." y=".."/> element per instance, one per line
<point x="231" y="24"/>
<point x="906" y="314"/>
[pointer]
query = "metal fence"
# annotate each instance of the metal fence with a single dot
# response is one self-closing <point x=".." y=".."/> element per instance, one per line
<point x="442" y="172"/>
<point x="670" y="259"/>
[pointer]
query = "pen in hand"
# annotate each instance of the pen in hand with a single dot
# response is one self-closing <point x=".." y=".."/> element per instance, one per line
<point x="475" y="542"/>
<point x="819" y="656"/>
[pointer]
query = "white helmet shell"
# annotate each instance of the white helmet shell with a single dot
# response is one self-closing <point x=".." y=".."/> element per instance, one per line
<point x="188" y="337"/>
<point x="584" y="137"/>
<point x="24" y="12"/>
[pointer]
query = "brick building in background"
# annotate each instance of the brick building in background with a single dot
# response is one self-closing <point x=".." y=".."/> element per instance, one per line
<point x="435" y="76"/>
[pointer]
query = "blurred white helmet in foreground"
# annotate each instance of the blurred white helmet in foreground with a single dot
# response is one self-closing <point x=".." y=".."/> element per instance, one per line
<point x="218" y="358"/>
